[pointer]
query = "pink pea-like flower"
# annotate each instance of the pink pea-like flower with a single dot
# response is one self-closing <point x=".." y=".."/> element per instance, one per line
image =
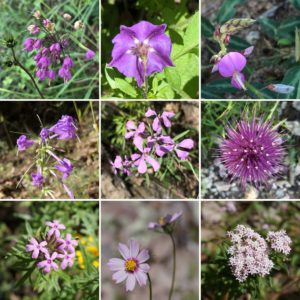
<point x="90" y="54"/>
<point x="49" y="263"/>
<point x="67" y="244"/>
<point x="35" y="247"/>
<point x="132" y="267"/>
<point x="231" y="65"/>
<point x="55" y="227"/>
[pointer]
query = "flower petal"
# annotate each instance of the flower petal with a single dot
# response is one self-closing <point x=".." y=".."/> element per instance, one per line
<point x="154" y="163"/>
<point x="187" y="144"/>
<point x="116" y="264"/>
<point x="156" y="124"/>
<point x="150" y="112"/>
<point x="145" y="30"/>
<point x="141" y="277"/>
<point x="123" y="249"/>
<point x="238" y="80"/>
<point x="143" y="256"/>
<point x="142" y="167"/>
<point x="144" y="267"/>
<point x="231" y="62"/>
<point x="182" y="154"/>
<point x="130" y="282"/>
<point x="156" y="62"/>
<point x="134" y="248"/>
<point x="119" y="276"/>
<point x="130" y="125"/>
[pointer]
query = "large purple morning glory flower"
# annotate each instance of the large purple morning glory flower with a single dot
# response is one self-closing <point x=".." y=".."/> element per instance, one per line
<point x="141" y="50"/>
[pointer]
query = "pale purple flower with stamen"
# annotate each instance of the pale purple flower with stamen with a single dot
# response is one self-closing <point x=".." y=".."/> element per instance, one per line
<point x="231" y="65"/>
<point x="24" y="143"/>
<point x="132" y="267"/>
<point x="139" y="160"/>
<point x="35" y="247"/>
<point x="37" y="178"/>
<point x="44" y="134"/>
<point x="280" y="241"/>
<point x="252" y="151"/>
<point x="55" y="227"/>
<point x="141" y="50"/>
<point x="90" y="54"/>
<point x="68" y="259"/>
<point x="163" y="118"/>
<point x="65" y="128"/>
<point x="185" y="144"/>
<point x="49" y="263"/>
<point x="67" y="244"/>
<point x="165" y="223"/>
<point x="65" y="166"/>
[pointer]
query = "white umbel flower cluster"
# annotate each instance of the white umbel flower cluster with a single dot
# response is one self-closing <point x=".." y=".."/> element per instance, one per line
<point x="280" y="241"/>
<point x="248" y="254"/>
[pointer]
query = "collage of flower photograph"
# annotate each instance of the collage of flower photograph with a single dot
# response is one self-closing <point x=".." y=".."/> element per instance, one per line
<point x="149" y="150"/>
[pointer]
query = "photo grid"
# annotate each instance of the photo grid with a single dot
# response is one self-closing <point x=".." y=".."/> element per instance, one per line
<point x="125" y="176"/>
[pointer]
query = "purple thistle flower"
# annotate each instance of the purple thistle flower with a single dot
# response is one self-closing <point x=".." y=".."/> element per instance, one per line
<point x="68" y="259"/>
<point x="65" y="166"/>
<point x="90" y="54"/>
<point x="164" y="118"/>
<point x="65" y="128"/>
<point x="252" y="152"/>
<point x="141" y="50"/>
<point x="132" y="267"/>
<point x="49" y="263"/>
<point x="37" y="178"/>
<point x="65" y="74"/>
<point x="165" y="223"/>
<point x="23" y="143"/>
<point x="67" y="244"/>
<point x="35" y="247"/>
<point x="44" y="134"/>
<point x="185" y="144"/>
<point x="28" y="44"/>
<point x="55" y="227"/>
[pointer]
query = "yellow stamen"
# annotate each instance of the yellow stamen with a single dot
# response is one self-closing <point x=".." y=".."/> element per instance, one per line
<point x="130" y="265"/>
<point x="161" y="221"/>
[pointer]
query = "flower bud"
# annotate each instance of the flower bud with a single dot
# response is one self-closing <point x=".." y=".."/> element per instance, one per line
<point x="234" y="25"/>
<point x="78" y="25"/>
<point x="37" y="14"/>
<point x="33" y="29"/>
<point x="67" y="17"/>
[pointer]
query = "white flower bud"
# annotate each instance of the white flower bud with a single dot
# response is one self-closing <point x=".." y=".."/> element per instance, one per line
<point x="78" y="25"/>
<point x="67" y="17"/>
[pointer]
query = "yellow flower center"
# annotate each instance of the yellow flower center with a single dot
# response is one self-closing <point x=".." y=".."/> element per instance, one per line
<point x="161" y="221"/>
<point x="130" y="265"/>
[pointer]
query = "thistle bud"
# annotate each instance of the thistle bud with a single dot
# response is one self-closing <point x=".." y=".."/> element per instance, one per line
<point x="67" y="17"/>
<point x="78" y="25"/>
<point x="10" y="42"/>
<point x="234" y="25"/>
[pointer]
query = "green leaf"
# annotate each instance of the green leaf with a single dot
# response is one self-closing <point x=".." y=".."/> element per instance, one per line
<point x="296" y="3"/>
<point x="227" y="10"/>
<point x="288" y="26"/>
<point x="125" y="87"/>
<point x="217" y="89"/>
<point x="110" y="77"/>
<point x="269" y="26"/>
<point x="191" y="36"/>
<point x="173" y="77"/>
<point x="285" y="42"/>
<point x="207" y="29"/>
<point x="292" y="77"/>
<point x="238" y="43"/>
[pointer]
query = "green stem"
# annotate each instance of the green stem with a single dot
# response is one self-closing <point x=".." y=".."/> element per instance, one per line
<point x="150" y="287"/>
<point x="27" y="72"/>
<point x="174" y="266"/>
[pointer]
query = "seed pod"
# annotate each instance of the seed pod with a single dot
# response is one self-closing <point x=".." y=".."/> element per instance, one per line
<point x="234" y="25"/>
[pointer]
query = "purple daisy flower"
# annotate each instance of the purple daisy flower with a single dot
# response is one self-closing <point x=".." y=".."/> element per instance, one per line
<point x="132" y="267"/>
<point x="35" y="247"/>
<point x="165" y="223"/>
<point x="252" y="152"/>
<point x="23" y="143"/>
<point x="141" y="50"/>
